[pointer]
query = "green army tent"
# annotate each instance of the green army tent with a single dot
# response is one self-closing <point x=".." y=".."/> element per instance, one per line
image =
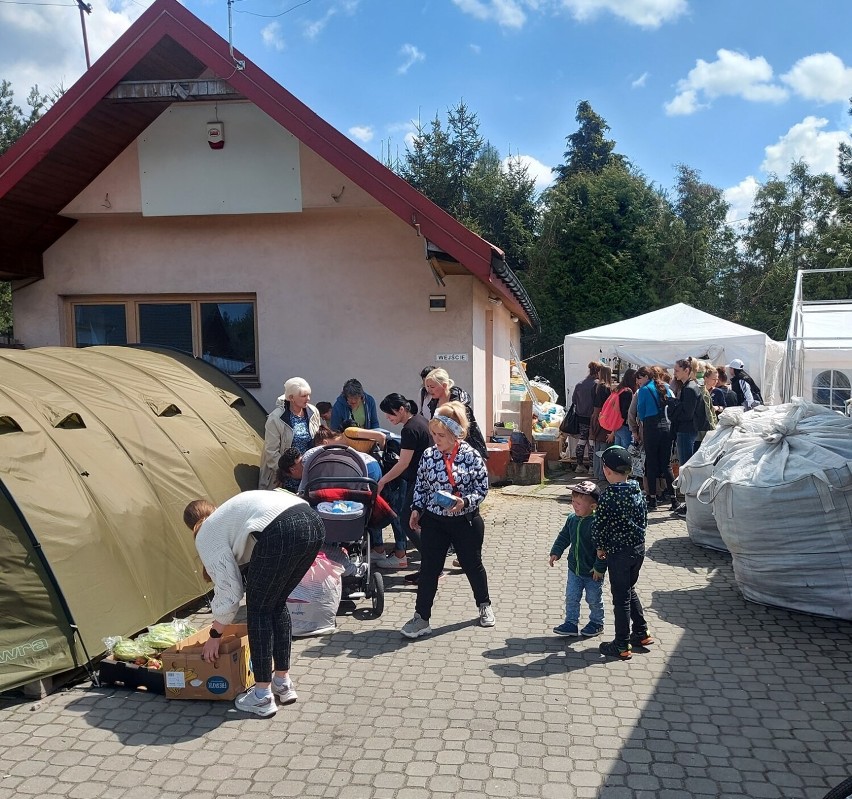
<point x="100" y="450"/>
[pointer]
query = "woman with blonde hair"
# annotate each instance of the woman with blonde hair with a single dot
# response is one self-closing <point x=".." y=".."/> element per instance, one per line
<point x="278" y="535"/>
<point x="441" y="390"/>
<point x="450" y="485"/>
<point x="293" y="423"/>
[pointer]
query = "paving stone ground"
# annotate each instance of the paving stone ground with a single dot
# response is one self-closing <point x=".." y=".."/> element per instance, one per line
<point x="734" y="700"/>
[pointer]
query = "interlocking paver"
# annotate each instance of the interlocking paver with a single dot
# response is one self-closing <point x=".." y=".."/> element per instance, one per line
<point x="735" y="700"/>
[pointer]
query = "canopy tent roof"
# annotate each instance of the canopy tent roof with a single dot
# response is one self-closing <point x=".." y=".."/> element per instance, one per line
<point x="664" y="336"/>
<point x="825" y="325"/>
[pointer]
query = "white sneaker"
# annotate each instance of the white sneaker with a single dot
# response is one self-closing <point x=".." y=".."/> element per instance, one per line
<point x="416" y="627"/>
<point x="392" y="562"/>
<point x="486" y="615"/>
<point x="377" y="558"/>
<point x="249" y="702"/>
<point x="285" y="692"/>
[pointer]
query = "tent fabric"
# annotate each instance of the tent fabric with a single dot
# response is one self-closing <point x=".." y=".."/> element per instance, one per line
<point x="826" y="326"/>
<point x="664" y="336"/>
<point x="100" y="452"/>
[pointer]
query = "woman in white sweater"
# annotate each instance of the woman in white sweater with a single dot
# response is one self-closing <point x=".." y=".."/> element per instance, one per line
<point x="279" y="535"/>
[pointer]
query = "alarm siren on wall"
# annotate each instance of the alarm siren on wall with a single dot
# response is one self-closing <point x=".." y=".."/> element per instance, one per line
<point x="216" y="135"/>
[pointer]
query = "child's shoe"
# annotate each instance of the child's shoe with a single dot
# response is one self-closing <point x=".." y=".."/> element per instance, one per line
<point x="566" y="629"/>
<point x="591" y="630"/>
<point x="641" y="639"/>
<point x="614" y="649"/>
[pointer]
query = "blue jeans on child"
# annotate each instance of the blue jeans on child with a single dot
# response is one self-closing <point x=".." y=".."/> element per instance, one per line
<point x="574" y="589"/>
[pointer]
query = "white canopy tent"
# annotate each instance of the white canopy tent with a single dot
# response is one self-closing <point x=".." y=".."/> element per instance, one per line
<point x="662" y="337"/>
<point x="819" y="347"/>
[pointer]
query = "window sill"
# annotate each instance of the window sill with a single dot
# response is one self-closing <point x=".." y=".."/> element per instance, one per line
<point x="247" y="382"/>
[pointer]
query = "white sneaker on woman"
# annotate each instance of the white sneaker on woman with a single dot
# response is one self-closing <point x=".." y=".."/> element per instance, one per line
<point x="285" y="692"/>
<point x="486" y="615"/>
<point x="250" y="702"/>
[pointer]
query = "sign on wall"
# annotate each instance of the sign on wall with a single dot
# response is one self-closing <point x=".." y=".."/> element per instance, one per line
<point x="451" y="356"/>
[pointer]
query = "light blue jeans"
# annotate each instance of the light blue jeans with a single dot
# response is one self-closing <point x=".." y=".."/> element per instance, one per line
<point x="574" y="589"/>
<point x="623" y="436"/>
<point x="395" y="496"/>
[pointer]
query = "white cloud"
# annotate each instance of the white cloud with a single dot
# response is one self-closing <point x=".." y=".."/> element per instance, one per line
<point x="806" y="141"/>
<point x="44" y="45"/>
<point x="363" y="133"/>
<point x="506" y="13"/>
<point x="732" y="74"/>
<point x="683" y="104"/>
<point x="822" y="77"/>
<point x="543" y="175"/>
<point x="315" y="28"/>
<point x="644" y="13"/>
<point x="741" y="199"/>
<point x="475" y="49"/>
<point x="411" y="55"/>
<point x="640" y="82"/>
<point x="272" y="37"/>
<point x="407" y="129"/>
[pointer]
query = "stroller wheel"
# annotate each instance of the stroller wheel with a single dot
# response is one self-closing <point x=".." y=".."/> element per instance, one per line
<point x="377" y="593"/>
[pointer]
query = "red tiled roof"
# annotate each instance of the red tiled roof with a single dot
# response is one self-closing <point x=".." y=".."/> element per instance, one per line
<point x="84" y="132"/>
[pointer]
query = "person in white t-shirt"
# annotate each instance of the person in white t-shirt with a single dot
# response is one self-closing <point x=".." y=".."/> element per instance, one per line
<point x="279" y="535"/>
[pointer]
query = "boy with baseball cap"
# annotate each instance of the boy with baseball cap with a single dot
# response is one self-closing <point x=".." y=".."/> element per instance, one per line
<point x="576" y="536"/>
<point x="619" y="536"/>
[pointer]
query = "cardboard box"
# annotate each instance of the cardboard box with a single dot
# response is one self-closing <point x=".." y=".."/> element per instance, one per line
<point x="187" y="676"/>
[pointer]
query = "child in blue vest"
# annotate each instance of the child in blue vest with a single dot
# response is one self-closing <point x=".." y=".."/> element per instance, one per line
<point x="576" y="536"/>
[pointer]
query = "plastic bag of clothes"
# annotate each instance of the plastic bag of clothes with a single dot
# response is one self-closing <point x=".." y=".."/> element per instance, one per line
<point x="781" y="491"/>
<point x="314" y="601"/>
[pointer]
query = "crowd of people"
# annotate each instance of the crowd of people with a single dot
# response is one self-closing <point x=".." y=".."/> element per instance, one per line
<point x="436" y="486"/>
<point x="441" y="451"/>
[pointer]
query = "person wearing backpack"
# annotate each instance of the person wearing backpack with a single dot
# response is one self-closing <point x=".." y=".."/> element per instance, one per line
<point x="652" y="405"/>
<point x="744" y="387"/>
<point x="597" y="434"/>
<point x="613" y="416"/>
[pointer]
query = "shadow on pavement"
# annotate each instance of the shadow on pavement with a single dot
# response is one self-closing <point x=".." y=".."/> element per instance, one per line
<point x="750" y="701"/>
<point x="559" y="656"/>
<point x="370" y="643"/>
<point x="138" y="718"/>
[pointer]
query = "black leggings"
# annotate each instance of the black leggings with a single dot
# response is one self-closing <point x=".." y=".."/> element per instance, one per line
<point x="658" y="456"/>
<point x="284" y="552"/>
<point x="466" y="534"/>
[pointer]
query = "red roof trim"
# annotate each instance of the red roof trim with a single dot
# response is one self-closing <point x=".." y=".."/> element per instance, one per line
<point x="169" y="18"/>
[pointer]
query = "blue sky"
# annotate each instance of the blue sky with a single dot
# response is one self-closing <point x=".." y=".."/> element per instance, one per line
<point x="735" y="90"/>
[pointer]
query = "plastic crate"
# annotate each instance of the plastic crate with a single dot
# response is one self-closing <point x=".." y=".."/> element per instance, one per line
<point x="129" y="675"/>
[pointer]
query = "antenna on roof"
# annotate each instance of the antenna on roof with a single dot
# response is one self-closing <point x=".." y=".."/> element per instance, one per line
<point x="88" y="9"/>
<point x="238" y="63"/>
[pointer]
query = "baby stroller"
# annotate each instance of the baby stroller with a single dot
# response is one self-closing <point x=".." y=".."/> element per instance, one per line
<point x="339" y="473"/>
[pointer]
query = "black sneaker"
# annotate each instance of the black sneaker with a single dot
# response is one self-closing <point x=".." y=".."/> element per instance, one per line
<point x="680" y="510"/>
<point x="641" y="639"/>
<point x="614" y="649"/>
<point x="651" y="503"/>
<point x="412" y="578"/>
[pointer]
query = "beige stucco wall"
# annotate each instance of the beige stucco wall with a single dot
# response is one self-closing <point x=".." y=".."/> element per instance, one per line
<point x="342" y="287"/>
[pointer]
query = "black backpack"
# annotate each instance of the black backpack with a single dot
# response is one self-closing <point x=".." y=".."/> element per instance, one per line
<point x="519" y="447"/>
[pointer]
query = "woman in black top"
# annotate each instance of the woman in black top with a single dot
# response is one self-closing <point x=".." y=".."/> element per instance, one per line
<point x="415" y="439"/>
<point x="597" y="435"/>
<point x="689" y="399"/>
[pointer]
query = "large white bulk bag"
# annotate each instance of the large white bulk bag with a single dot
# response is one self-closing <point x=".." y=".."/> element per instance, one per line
<point x="782" y="500"/>
<point x="700" y="523"/>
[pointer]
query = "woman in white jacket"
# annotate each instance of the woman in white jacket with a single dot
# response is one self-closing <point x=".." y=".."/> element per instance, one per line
<point x="293" y="423"/>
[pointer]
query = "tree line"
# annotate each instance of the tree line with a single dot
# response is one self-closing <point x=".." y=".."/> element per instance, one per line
<point x="603" y="243"/>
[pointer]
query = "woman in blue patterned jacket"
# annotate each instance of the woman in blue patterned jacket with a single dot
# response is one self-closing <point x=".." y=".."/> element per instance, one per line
<point x="451" y="467"/>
